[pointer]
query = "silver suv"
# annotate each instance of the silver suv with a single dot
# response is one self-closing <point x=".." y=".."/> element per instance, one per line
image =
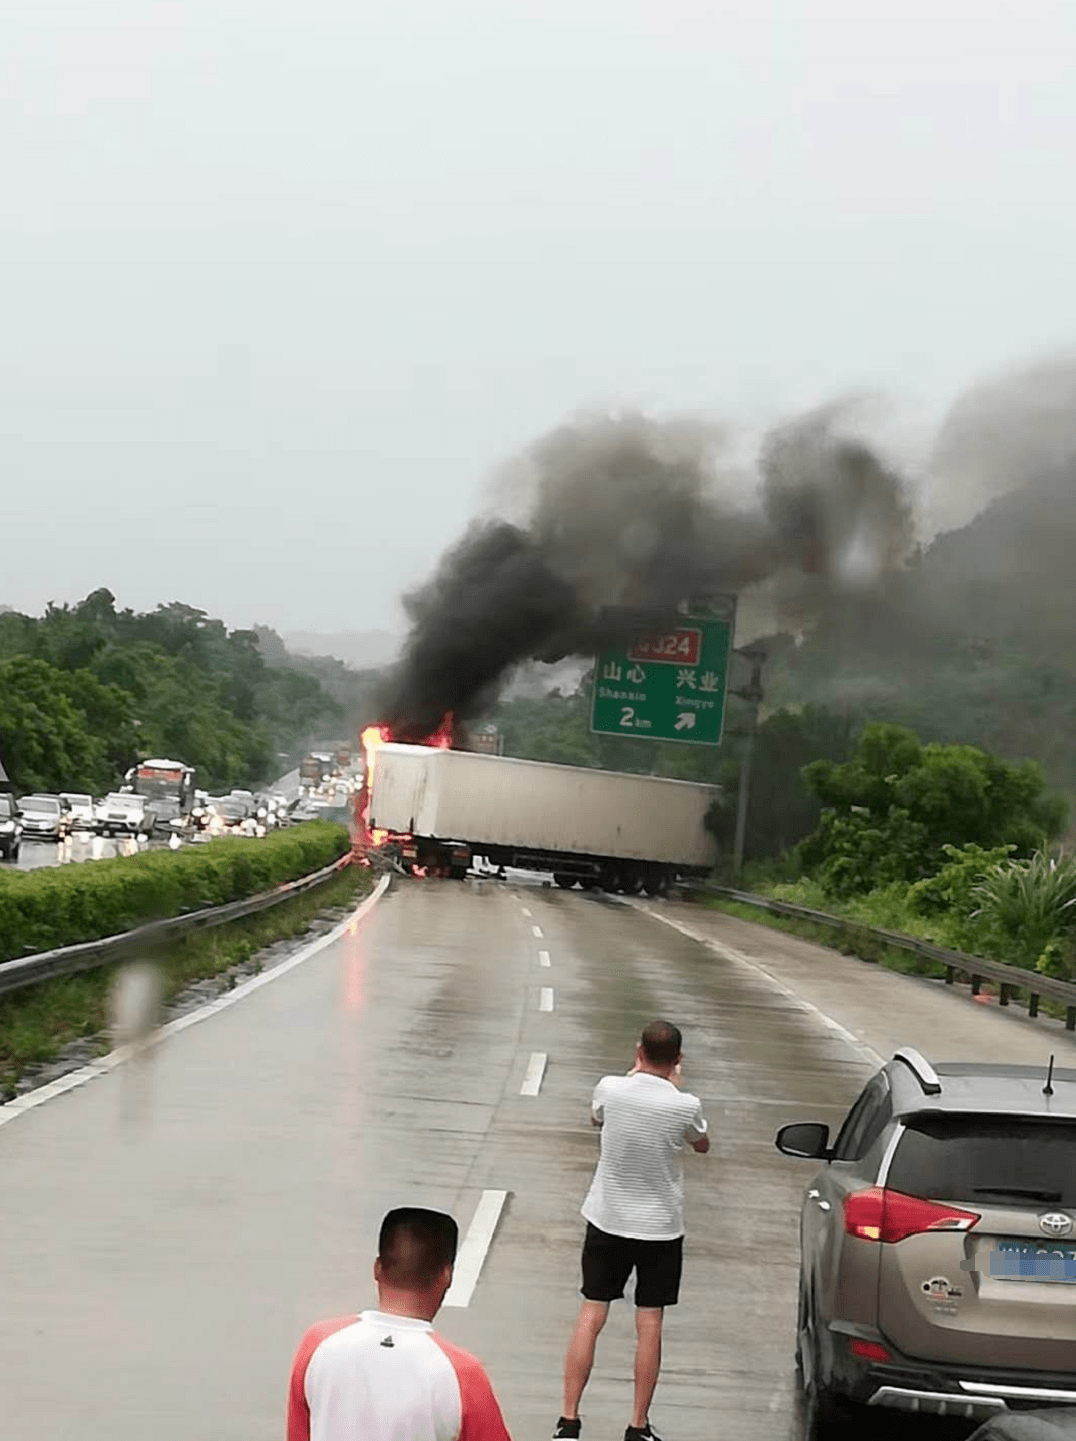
<point x="938" y="1244"/>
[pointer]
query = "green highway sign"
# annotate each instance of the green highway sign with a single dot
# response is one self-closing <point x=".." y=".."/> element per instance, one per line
<point x="667" y="687"/>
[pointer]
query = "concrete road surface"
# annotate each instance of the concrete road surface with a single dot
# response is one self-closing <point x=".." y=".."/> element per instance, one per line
<point x="169" y="1229"/>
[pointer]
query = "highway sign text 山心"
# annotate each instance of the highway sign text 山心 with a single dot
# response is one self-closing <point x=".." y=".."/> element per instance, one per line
<point x="667" y="687"/>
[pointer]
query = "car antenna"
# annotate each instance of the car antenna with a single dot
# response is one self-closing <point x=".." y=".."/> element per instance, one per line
<point x="1048" y="1089"/>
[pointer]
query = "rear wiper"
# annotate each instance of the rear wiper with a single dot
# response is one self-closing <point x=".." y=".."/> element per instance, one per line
<point x="1027" y="1193"/>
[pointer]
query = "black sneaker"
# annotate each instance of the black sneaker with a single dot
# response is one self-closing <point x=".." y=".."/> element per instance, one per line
<point x="641" y="1433"/>
<point x="568" y="1429"/>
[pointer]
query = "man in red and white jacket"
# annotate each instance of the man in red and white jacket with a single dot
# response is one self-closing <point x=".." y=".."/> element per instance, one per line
<point x="386" y="1375"/>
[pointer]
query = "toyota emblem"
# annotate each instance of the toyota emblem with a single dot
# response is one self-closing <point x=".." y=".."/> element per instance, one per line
<point x="1055" y="1223"/>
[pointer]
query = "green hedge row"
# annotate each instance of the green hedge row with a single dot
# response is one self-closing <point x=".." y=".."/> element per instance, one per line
<point x="62" y="905"/>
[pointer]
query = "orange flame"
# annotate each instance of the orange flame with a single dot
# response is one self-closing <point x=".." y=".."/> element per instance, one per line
<point x="442" y="736"/>
<point x="372" y="739"/>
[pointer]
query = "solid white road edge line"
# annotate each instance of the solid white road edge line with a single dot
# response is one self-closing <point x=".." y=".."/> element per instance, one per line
<point x="475" y="1248"/>
<point x="101" y="1067"/>
<point x="532" y="1081"/>
<point x="537" y="932"/>
<point x="866" y="1053"/>
<point x="545" y="1000"/>
<point x="543" y="958"/>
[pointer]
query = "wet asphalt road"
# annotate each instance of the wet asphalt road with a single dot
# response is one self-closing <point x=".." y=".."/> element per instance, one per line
<point x="80" y="846"/>
<point x="170" y="1229"/>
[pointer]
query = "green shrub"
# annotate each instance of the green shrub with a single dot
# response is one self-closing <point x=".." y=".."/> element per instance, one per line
<point x="891" y="811"/>
<point x="62" y="905"/>
<point x="1031" y="906"/>
<point x="853" y="854"/>
<point x="949" y="900"/>
<point x="952" y="888"/>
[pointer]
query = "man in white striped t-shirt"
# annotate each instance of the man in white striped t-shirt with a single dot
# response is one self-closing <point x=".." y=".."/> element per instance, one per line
<point x="635" y="1216"/>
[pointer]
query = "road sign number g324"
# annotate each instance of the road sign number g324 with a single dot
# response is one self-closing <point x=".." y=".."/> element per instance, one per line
<point x="675" y="647"/>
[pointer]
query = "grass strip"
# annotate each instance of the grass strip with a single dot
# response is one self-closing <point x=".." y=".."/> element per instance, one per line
<point x="38" y="1022"/>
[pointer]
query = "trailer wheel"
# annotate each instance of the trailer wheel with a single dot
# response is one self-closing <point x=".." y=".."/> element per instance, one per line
<point x="565" y="882"/>
<point x="655" y="882"/>
<point x="588" y="883"/>
<point x="630" y="881"/>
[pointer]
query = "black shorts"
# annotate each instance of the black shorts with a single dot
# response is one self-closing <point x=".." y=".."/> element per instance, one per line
<point x="608" y="1261"/>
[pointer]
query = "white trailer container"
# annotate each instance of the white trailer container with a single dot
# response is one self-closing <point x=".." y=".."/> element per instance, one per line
<point x="597" y="827"/>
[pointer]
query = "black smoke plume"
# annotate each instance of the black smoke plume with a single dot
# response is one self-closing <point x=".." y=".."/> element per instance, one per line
<point x="628" y="518"/>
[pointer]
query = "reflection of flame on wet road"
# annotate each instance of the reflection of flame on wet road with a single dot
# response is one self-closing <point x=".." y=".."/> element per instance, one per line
<point x="134" y="1012"/>
<point x="353" y="971"/>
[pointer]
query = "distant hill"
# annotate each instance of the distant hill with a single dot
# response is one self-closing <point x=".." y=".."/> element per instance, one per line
<point x="353" y="688"/>
<point x="973" y="643"/>
<point x="362" y="650"/>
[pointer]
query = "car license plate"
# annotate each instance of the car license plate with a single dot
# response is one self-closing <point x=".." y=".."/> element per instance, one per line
<point x="1034" y="1261"/>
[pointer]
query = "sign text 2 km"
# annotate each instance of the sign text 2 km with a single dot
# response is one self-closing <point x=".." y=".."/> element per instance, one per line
<point x="668" y="687"/>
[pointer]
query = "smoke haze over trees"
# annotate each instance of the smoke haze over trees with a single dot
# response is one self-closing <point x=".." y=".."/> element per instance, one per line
<point x="625" y="518"/>
<point x="875" y="609"/>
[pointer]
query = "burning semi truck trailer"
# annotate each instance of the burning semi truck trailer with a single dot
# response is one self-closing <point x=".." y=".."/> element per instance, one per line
<point x="440" y="808"/>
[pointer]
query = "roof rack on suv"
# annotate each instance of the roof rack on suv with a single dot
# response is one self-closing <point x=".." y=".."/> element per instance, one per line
<point x="921" y="1069"/>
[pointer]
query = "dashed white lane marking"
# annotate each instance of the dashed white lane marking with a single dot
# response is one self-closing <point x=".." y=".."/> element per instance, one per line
<point x="525" y="911"/>
<point x="472" y="1254"/>
<point x="115" y="1058"/>
<point x="865" y="1052"/>
<point x="537" y="930"/>
<point x="543" y="958"/>
<point x="532" y="1081"/>
<point x="545" y="1000"/>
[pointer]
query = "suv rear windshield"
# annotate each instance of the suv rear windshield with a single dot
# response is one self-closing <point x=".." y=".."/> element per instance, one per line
<point x="7" y="805"/>
<point x="994" y="1159"/>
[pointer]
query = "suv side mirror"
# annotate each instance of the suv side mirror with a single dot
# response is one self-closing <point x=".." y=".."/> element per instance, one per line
<point x="806" y="1140"/>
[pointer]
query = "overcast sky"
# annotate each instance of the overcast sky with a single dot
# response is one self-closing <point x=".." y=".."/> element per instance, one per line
<point x="283" y="282"/>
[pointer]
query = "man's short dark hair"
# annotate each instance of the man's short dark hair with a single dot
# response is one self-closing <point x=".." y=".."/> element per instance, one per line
<point x="661" y="1043"/>
<point x="415" y="1246"/>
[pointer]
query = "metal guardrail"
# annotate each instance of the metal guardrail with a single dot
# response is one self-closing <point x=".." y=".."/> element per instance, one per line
<point x="88" y="955"/>
<point x="1009" y="979"/>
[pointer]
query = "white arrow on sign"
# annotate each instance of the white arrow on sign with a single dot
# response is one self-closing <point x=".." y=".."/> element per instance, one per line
<point x="685" y="721"/>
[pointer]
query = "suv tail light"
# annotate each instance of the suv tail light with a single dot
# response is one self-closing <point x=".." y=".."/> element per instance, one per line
<point x="881" y="1215"/>
<point x="869" y="1351"/>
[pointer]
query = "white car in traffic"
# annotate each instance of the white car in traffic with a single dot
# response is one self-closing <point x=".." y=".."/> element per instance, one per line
<point x="122" y="813"/>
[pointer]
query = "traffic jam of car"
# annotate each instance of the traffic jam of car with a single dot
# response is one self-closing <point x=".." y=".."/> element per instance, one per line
<point x="159" y="803"/>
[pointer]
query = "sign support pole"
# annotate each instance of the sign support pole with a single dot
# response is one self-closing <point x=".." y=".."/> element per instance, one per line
<point x="753" y="694"/>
